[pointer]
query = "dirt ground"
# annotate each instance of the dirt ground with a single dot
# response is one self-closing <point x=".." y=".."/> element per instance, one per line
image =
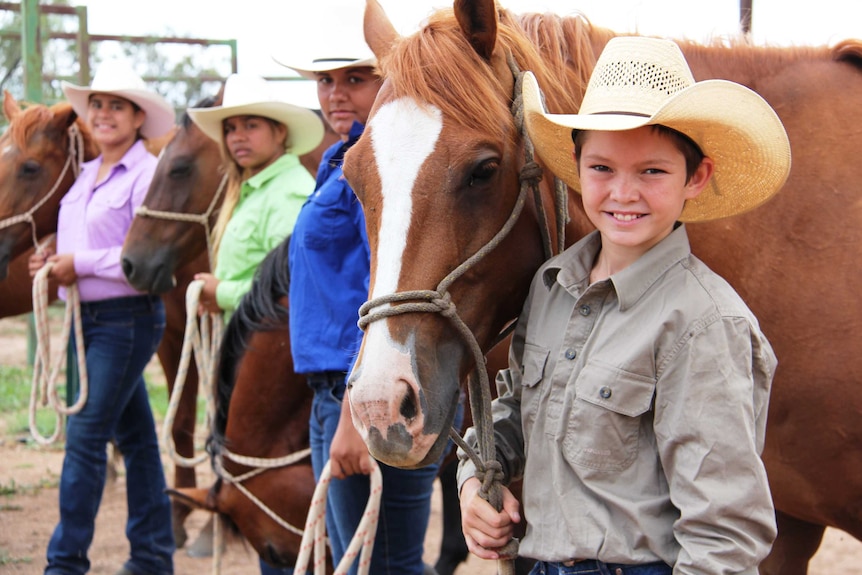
<point x="28" y="516"/>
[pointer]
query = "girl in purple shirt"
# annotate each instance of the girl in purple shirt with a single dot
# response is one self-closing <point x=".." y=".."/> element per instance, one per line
<point x="121" y="327"/>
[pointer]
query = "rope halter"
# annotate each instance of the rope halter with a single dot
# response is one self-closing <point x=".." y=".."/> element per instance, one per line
<point x="202" y="219"/>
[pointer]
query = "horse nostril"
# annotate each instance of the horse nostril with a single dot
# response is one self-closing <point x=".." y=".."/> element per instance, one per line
<point x="408" y="407"/>
<point x="128" y="267"/>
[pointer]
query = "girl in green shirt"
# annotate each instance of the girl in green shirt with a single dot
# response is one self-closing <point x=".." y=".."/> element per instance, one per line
<point x="262" y="139"/>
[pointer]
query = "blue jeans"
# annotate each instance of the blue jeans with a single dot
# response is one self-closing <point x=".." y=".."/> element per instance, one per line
<point x="120" y="337"/>
<point x="266" y="569"/>
<point x="405" y="505"/>
<point x="593" y="567"/>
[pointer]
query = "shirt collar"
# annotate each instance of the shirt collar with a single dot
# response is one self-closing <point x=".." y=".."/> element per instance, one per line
<point x="260" y="179"/>
<point x="133" y="155"/>
<point x="571" y="269"/>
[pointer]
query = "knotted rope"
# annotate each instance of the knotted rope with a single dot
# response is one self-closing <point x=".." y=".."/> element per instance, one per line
<point x="45" y="377"/>
<point x="203" y="337"/>
<point x="202" y="219"/>
<point x="74" y="159"/>
<point x="362" y="543"/>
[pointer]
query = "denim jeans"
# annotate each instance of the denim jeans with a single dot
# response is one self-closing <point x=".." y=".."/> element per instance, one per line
<point x="592" y="567"/>
<point x="406" y="501"/>
<point x="120" y="337"/>
<point x="266" y="569"/>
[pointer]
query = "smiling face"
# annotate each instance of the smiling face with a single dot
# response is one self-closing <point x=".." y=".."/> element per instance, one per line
<point x="113" y="121"/>
<point x="634" y="186"/>
<point x="254" y="142"/>
<point x="347" y="95"/>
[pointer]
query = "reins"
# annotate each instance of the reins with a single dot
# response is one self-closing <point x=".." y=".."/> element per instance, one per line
<point x="489" y="470"/>
<point x="74" y="159"/>
<point x="202" y="219"/>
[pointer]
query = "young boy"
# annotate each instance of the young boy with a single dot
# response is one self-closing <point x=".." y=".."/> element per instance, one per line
<point x="634" y="406"/>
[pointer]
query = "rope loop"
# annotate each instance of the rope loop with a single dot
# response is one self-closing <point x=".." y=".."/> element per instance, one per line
<point x="45" y="383"/>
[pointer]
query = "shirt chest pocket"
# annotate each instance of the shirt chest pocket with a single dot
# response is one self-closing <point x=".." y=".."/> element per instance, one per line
<point x="603" y="428"/>
<point x="533" y="371"/>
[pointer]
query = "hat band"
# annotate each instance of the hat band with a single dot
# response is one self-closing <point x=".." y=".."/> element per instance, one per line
<point x="316" y="60"/>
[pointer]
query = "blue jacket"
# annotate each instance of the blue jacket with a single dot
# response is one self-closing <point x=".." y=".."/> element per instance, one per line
<point x="329" y="269"/>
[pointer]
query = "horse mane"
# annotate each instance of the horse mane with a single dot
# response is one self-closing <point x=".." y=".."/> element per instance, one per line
<point x="430" y="63"/>
<point x="33" y="119"/>
<point x="206" y="102"/>
<point x="561" y="51"/>
<point x="258" y="310"/>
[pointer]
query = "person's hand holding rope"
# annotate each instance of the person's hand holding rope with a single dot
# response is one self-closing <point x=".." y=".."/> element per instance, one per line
<point x="486" y="529"/>
<point x="207" y="302"/>
<point x="348" y="454"/>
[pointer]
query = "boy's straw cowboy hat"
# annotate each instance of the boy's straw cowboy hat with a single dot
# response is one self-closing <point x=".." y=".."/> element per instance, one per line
<point x="639" y="81"/>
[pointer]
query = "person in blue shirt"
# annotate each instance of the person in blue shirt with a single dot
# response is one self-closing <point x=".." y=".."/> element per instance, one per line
<point x="330" y="273"/>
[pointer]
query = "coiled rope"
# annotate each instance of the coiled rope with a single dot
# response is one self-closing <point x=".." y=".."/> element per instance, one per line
<point x="203" y="338"/>
<point x="362" y="543"/>
<point x="45" y="377"/>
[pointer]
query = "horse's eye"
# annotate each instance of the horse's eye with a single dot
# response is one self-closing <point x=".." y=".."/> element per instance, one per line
<point x="29" y="169"/>
<point x="484" y="172"/>
<point x="180" y="170"/>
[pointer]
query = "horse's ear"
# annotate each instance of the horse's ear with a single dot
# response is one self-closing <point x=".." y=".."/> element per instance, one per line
<point x="63" y="115"/>
<point x="478" y="21"/>
<point x="11" y="109"/>
<point x="380" y="34"/>
<point x="196" y="497"/>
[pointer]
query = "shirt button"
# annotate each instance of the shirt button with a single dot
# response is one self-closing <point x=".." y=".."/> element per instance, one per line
<point x="571" y="354"/>
<point x="584" y="310"/>
<point x="605" y="392"/>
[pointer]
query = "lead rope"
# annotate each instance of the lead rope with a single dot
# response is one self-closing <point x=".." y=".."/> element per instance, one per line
<point x="45" y="377"/>
<point x="203" y="338"/>
<point x="314" y="537"/>
<point x="74" y="159"/>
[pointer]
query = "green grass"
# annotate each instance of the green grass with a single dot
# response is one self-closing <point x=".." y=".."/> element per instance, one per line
<point x="6" y="559"/>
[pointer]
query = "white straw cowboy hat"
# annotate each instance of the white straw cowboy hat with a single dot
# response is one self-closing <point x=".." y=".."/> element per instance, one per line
<point x="639" y="81"/>
<point x="356" y="57"/>
<point x="117" y="77"/>
<point x="250" y="95"/>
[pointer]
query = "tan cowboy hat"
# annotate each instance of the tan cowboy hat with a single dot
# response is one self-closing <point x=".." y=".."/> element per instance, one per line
<point x="117" y="77"/>
<point x="250" y="95"/>
<point x="355" y="57"/>
<point x="639" y="81"/>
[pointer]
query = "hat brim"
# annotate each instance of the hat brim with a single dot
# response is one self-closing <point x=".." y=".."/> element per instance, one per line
<point x="305" y="128"/>
<point x="311" y="68"/>
<point x="160" y="116"/>
<point x="733" y="125"/>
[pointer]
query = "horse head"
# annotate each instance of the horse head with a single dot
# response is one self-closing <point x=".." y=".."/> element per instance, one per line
<point x="437" y="171"/>
<point x="171" y="228"/>
<point x="41" y="153"/>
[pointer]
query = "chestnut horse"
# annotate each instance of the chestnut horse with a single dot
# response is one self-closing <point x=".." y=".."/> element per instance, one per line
<point x="262" y="412"/>
<point x="437" y="172"/>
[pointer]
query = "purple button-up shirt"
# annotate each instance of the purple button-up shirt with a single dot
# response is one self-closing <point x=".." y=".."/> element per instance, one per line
<point x="94" y="220"/>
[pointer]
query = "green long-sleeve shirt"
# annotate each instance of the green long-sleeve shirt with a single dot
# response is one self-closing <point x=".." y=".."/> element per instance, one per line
<point x="265" y="214"/>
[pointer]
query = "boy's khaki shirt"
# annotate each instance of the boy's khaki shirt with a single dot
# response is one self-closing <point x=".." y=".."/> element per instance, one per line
<point x="635" y="410"/>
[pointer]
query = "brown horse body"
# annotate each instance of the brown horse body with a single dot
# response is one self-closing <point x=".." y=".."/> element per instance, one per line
<point x="446" y="194"/>
<point x="262" y="411"/>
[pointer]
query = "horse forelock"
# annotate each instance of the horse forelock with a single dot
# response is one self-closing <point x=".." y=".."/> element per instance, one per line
<point x="31" y="121"/>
